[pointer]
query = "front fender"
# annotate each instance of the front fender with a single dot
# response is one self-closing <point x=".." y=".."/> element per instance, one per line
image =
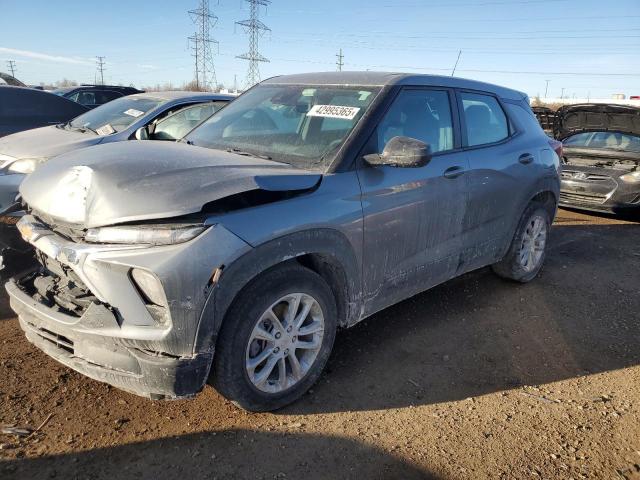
<point x="325" y="241"/>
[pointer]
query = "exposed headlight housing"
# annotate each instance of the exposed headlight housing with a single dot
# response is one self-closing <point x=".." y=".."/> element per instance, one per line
<point x="633" y="177"/>
<point x="25" y="165"/>
<point x="145" y="234"/>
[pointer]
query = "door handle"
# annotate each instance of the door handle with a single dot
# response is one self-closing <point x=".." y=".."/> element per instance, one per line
<point x="525" y="158"/>
<point x="453" y="172"/>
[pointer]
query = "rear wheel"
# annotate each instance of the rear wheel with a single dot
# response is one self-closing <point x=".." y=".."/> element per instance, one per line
<point x="527" y="251"/>
<point x="276" y="339"/>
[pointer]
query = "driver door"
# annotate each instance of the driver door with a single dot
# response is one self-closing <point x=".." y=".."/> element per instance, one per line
<point x="414" y="217"/>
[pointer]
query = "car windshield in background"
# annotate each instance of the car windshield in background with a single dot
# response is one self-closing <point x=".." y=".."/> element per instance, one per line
<point x="299" y="125"/>
<point x="115" y="116"/>
<point x="605" y="141"/>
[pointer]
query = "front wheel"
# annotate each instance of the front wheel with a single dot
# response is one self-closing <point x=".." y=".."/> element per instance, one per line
<point x="527" y="251"/>
<point x="276" y="339"/>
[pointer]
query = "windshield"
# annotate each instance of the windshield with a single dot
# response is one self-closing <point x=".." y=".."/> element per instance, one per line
<point x="60" y="92"/>
<point x="116" y="115"/>
<point x="299" y="125"/>
<point x="604" y="140"/>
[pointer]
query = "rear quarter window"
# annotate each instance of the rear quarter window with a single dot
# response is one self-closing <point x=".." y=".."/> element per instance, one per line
<point x="485" y="121"/>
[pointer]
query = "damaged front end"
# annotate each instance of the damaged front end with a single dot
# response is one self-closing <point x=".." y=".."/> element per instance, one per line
<point x="119" y="313"/>
<point x="600" y="180"/>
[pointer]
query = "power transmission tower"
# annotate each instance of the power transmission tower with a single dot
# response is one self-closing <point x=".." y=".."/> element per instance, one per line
<point x="101" y="69"/>
<point x="204" y="20"/>
<point x="12" y="66"/>
<point x="340" y="62"/>
<point x="255" y="29"/>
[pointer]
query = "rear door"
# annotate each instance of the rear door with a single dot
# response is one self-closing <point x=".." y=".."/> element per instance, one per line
<point x="501" y="163"/>
<point x="413" y="217"/>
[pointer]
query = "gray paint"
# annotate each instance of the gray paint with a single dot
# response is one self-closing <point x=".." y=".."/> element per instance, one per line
<point x="377" y="234"/>
<point x="127" y="179"/>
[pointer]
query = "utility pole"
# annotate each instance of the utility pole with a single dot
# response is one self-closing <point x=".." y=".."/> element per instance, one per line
<point x="546" y="88"/>
<point x="204" y="20"/>
<point x="340" y="62"/>
<point x="12" y="66"/>
<point x="562" y="94"/>
<point x="255" y="29"/>
<point x="100" y="65"/>
<point x="456" y="64"/>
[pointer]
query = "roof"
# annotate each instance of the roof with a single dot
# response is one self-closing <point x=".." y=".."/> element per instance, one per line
<point x="380" y="79"/>
<point x="178" y="95"/>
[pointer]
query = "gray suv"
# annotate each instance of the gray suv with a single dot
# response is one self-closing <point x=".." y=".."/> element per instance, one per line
<point x="308" y="204"/>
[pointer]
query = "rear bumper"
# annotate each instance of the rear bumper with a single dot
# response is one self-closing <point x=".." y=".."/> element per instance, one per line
<point x="71" y="342"/>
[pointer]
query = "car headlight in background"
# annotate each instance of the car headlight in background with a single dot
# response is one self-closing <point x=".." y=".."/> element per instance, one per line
<point x="633" y="177"/>
<point x="25" y="165"/>
<point x="145" y="234"/>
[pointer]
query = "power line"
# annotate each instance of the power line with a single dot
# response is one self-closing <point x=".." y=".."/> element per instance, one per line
<point x="204" y="20"/>
<point x="100" y="66"/>
<point x="255" y="29"/>
<point x="340" y="62"/>
<point x="12" y="66"/>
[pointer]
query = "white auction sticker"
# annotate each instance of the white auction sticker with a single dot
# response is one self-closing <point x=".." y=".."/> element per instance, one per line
<point x="105" y="130"/>
<point x="132" y="112"/>
<point x="333" y="111"/>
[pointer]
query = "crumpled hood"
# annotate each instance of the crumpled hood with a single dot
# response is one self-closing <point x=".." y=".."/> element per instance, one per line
<point x="586" y="117"/>
<point x="132" y="181"/>
<point x="45" y="142"/>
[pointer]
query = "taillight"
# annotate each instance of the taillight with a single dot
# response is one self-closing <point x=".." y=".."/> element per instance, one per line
<point x="557" y="147"/>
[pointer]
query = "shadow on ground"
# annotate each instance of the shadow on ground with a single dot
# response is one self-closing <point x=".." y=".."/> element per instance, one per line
<point x="230" y="454"/>
<point x="479" y="334"/>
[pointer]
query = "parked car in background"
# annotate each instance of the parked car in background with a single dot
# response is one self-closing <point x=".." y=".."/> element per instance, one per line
<point x="23" y="108"/>
<point x="92" y="96"/>
<point x="601" y="156"/>
<point x="6" y="79"/>
<point x="308" y="203"/>
<point x="546" y="118"/>
<point x="158" y="115"/>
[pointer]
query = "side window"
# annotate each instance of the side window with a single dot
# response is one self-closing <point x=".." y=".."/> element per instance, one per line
<point x="182" y="122"/>
<point x="86" y="98"/>
<point x="107" y="96"/>
<point x="421" y="114"/>
<point x="484" y="118"/>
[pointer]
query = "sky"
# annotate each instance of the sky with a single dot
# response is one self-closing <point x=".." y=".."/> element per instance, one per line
<point x="584" y="48"/>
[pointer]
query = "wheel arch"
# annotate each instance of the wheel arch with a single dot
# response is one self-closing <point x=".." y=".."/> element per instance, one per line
<point x="325" y="251"/>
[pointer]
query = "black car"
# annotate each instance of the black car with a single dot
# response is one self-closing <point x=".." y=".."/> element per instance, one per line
<point x="24" y="108"/>
<point x="601" y="156"/>
<point x="94" y="95"/>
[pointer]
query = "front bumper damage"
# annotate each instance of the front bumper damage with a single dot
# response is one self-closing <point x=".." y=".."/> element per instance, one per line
<point x="598" y="189"/>
<point x="82" y="308"/>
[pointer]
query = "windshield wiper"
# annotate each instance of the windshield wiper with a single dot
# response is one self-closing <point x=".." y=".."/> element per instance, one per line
<point x="85" y="128"/>
<point x="237" y="151"/>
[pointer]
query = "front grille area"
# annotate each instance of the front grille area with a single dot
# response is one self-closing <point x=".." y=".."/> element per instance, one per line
<point x="593" y="199"/>
<point x="590" y="177"/>
<point x="58" y="340"/>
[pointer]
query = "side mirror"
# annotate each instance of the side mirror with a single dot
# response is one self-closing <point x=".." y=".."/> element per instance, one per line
<point x="403" y="152"/>
<point x="142" y="133"/>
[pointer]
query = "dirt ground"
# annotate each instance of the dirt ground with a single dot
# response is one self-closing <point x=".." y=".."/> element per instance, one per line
<point x="478" y="378"/>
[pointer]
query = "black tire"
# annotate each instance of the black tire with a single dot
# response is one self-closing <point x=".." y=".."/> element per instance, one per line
<point x="510" y="266"/>
<point x="229" y="375"/>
